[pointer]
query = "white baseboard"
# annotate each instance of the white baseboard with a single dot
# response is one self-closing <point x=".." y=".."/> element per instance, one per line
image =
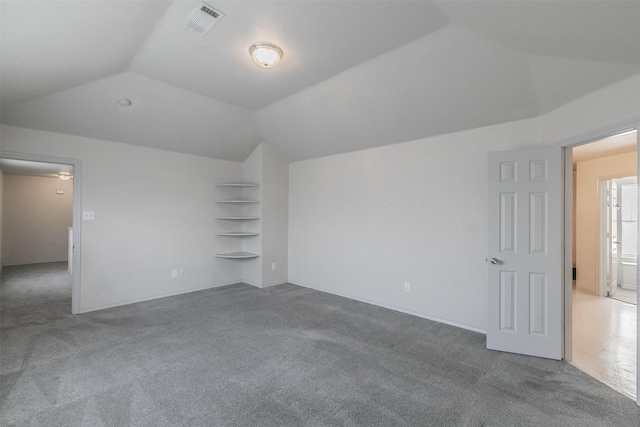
<point x="394" y="308"/>
<point x="281" y="282"/>
<point x="252" y="284"/>
<point x="340" y="294"/>
<point x="137" y="300"/>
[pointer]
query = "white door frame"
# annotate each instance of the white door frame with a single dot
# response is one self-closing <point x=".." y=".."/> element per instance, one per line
<point x="568" y="229"/>
<point x="605" y="242"/>
<point x="604" y="237"/>
<point x="77" y="214"/>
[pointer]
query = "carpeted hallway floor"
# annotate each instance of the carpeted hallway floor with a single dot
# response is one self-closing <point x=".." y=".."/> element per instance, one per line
<point x="282" y="356"/>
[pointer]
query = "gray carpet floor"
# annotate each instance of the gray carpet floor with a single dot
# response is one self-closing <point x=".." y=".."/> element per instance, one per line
<point x="282" y="356"/>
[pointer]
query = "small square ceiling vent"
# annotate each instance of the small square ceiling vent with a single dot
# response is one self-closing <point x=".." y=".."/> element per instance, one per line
<point x="203" y="18"/>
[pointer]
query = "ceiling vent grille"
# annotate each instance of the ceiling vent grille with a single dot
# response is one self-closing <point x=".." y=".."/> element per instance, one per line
<point x="203" y="18"/>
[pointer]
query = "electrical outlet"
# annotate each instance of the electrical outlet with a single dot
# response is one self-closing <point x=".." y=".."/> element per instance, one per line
<point x="88" y="215"/>
<point x="182" y="272"/>
<point x="273" y="266"/>
<point x="174" y="272"/>
<point x="407" y="286"/>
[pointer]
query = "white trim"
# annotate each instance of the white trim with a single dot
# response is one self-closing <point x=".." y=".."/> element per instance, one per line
<point x="599" y="134"/>
<point x="637" y="126"/>
<point x="568" y="255"/>
<point x="574" y="142"/>
<point x="170" y="294"/>
<point x="268" y="285"/>
<point x="391" y="307"/>
<point x="252" y="284"/>
<point x="601" y="268"/>
<point x="77" y="214"/>
<point x="279" y="282"/>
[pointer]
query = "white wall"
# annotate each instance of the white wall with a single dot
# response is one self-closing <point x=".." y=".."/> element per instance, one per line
<point x="588" y="174"/>
<point x="154" y="211"/>
<point x="1" y="217"/>
<point x="253" y="174"/>
<point x="584" y="119"/>
<point x="362" y="224"/>
<point x="36" y="219"/>
<point x="267" y="168"/>
<point x="275" y="216"/>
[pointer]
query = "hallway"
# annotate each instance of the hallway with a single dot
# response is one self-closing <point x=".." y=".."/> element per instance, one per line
<point x="604" y="340"/>
<point x="47" y="298"/>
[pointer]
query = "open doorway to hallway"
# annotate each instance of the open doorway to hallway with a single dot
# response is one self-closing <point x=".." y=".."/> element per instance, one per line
<point x="37" y="213"/>
<point x="604" y="330"/>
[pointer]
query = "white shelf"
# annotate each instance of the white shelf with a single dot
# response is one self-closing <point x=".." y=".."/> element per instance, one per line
<point x="239" y="185"/>
<point x="238" y="255"/>
<point x="238" y="201"/>
<point x="238" y="233"/>
<point x="242" y="203"/>
<point x="239" y="218"/>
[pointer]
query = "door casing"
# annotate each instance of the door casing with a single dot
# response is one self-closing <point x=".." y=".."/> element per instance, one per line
<point x="77" y="215"/>
<point x="568" y="229"/>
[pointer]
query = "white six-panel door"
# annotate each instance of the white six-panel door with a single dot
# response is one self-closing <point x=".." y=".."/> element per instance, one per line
<point x="525" y="252"/>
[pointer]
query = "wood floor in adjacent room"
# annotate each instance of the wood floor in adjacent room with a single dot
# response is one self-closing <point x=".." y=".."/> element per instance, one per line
<point x="604" y="340"/>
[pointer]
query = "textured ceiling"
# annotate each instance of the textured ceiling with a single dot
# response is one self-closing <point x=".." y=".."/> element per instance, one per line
<point x="355" y="74"/>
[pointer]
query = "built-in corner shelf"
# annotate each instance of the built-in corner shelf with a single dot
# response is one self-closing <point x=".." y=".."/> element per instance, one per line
<point x="238" y="202"/>
<point x="239" y="186"/>
<point x="239" y="218"/>
<point x="238" y="233"/>
<point x="238" y="255"/>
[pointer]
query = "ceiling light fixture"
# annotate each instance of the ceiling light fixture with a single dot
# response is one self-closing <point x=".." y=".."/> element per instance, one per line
<point x="124" y="102"/>
<point x="265" y="54"/>
<point x="65" y="176"/>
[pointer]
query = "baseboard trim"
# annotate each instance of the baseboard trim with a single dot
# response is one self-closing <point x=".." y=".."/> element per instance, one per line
<point x="294" y="282"/>
<point x="137" y="300"/>
<point x="281" y="282"/>
<point x="394" y="308"/>
<point x="252" y="284"/>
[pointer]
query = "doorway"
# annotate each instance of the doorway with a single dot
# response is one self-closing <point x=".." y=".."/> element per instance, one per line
<point x="603" y="329"/>
<point x="33" y="165"/>
<point x="619" y="238"/>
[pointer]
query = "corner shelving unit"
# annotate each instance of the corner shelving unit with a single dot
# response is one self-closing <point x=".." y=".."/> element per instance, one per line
<point x="238" y="255"/>
<point x="238" y="233"/>
<point x="239" y="186"/>
<point x="239" y="218"/>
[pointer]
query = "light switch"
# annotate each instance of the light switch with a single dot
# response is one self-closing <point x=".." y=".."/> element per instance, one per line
<point x="88" y="215"/>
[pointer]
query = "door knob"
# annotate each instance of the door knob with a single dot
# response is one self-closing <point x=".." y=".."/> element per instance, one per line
<point x="495" y="261"/>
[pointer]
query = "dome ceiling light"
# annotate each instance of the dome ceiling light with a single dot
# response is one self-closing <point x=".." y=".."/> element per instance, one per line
<point x="265" y="54"/>
<point x="124" y="102"/>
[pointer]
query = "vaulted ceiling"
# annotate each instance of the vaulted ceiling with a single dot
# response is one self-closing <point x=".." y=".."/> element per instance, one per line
<point x="355" y="74"/>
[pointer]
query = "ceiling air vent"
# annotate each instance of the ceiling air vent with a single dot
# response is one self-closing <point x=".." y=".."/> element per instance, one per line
<point x="203" y="18"/>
